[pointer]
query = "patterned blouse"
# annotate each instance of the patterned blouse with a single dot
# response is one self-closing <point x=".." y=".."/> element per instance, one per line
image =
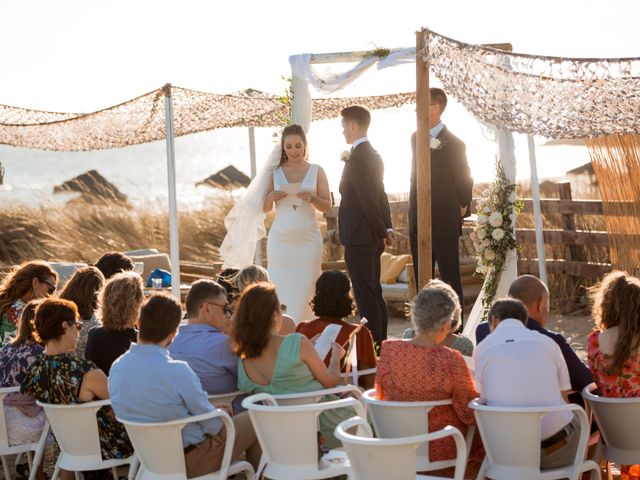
<point x="56" y="379"/>
<point x="14" y="362"/>
<point x="627" y="384"/>
<point x="8" y="321"/>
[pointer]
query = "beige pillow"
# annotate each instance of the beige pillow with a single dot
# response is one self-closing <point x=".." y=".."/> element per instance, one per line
<point x="391" y="266"/>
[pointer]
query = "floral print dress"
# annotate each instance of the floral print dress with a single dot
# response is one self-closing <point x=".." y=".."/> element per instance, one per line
<point x="8" y="321"/>
<point x="624" y="385"/>
<point x="57" y="379"/>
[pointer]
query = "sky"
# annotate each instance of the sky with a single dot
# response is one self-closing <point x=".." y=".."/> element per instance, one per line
<point x="79" y="56"/>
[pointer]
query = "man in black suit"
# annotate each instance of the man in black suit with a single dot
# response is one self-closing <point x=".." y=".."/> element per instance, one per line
<point x="364" y="220"/>
<point x="451" y="189"/>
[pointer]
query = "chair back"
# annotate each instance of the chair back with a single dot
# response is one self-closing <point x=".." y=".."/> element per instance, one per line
<point x="511" y="437"/>
<point x="305" y="398"/>
<point x="393" y="419"/>
<point x="4" y="433"/>
<point x="288" y="434"/>
<point x="619" y="423"/>
<point x="75" y="427"/>
<point x="223" y="398"/>
<point x="384" y="458"/>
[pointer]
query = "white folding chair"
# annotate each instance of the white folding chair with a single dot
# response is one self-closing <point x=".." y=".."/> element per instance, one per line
<point x="224" y="398"/>
<point x="619" y="423"/>
<point x="304" y="398"/>
<point x="6" y="449"/>
<point x="393" y="419"/>
<point x="511" y="437"/>
<point x="289" y="440"/>
<point x="75" y="427"/>
<point x="160" y="449"/>
<point x="385" y="458"/>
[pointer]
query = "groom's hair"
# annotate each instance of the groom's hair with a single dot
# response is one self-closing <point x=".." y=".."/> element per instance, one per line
<point x="358" y="114"/>
<point x="438" y="96"/>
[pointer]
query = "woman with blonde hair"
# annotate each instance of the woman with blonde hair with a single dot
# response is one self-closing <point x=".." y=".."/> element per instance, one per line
<point x="119" y="308"/>
<point x="83" y="289"/>
<point x="22" y="284"/>
<point x="613" y="348"/>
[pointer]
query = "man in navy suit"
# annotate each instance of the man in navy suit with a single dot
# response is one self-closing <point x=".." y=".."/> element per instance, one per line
<point x="364" y="220"/>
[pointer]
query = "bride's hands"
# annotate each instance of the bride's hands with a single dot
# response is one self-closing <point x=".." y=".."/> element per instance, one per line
<point x="276" y="195"/>
<point x="306" y="196"/>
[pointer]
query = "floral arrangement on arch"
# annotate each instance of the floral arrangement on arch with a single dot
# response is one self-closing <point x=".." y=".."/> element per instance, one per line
<point x="494" y="234"/>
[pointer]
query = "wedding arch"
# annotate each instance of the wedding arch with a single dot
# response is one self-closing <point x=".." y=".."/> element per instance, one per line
<point x="164" y="114"/>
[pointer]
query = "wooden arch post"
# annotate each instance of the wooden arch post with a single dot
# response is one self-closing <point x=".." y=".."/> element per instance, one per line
<point x="423" y="163"/>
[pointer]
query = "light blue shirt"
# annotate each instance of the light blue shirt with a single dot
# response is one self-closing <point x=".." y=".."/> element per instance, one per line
<point x="147" y="385"/>
<point x="435" y="131"/>
<point x="358" y="141"/>
<point x="208" y="353"/>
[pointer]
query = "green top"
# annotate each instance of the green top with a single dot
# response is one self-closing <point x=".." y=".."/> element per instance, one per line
<point x="290" y="374"/>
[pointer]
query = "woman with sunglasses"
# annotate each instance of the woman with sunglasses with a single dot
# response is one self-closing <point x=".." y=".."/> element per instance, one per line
<point x="24" y="283"/>
<point x="119" y="309"/>
<point x="59" y="376"/>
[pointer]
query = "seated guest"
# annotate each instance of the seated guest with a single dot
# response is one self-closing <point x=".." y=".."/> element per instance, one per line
<point x="147" y="385"/>
<point x="452" y="340"/>
<point x="534" y="294"/>
<point x="332" y="302"/>
<point x="203" y="343"/>
<point x="59" y="376"/>
<point x="613" y="349"/>
<point x="119" y="307"/>
<point x="254" y="274"/>
<point x="22" y="284"/>
<point x="421" y="369"/>
<point x="228" y="279"/>
<point x="518" y="367"/>
<point x="24" y="418"/>
<point x="83" y="289"/>
<point x="114" y="262"/>
<point x="272" y="363"/>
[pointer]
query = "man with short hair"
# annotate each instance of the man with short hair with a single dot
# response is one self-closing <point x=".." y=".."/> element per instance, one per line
<point x="203" y="343"/>
<point x="534" y="294"/>
<point x="147" y="385"/>
<point x="364" y="220"/>
<point x="517" y="367"/>
<point x="111" y="263"/>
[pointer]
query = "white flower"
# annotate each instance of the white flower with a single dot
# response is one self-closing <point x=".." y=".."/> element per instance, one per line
<point x="495" y="219"/>
<point x="486" y="210"/>
<point x="481" y="233"/>
<point x="481" y="269"/>
<point x="346" y="155"/>
<point x="482" y="219"/>
<point x="489" y="254"/>
<point x="498" y="234"/>
<point x="435" y="144"/>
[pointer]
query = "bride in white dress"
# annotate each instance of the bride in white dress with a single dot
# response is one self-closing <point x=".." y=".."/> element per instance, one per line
<point x="294" y="245"/>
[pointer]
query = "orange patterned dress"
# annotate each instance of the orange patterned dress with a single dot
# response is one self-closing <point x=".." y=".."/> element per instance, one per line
<point x="411" y="373"/>
<point x="625" y="385"/>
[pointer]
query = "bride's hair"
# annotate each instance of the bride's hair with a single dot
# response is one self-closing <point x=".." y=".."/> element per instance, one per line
<point x="254" y="319"/>
<point x="291" y="130"/>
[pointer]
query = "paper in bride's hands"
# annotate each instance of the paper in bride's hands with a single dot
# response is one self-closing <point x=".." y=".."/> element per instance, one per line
<point x="292" y="190"/>
<point x="326" y="339"/>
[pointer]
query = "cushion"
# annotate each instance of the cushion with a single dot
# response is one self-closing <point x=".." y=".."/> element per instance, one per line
<point x="151" y="262"/>
<point x="404" y="276"/>
<point x="391" y="266"/>
<point x="65" y="270"/>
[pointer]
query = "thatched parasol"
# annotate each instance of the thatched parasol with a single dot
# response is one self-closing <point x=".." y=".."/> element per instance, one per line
<point x="93" y="187"/>
<point x="229" y="178"/>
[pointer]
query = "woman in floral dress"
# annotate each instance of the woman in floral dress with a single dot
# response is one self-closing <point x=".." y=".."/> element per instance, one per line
<point x="60" y="376"/>
<point x="24" y="283"/>
<point x="613" y="349"/>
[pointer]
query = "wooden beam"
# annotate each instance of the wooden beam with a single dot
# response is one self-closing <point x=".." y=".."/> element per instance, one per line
<point x="423" y="164"/>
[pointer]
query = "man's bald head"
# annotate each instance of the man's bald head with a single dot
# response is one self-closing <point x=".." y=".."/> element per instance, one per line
<point x="534" y="294"/>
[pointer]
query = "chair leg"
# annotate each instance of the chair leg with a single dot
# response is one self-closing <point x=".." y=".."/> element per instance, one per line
<point x="483" y="469"/>
<point x="78" y="476"/>
<point x="133" y="468"/>
<point x="5" y="466"/>
<point x="55" y="474"/>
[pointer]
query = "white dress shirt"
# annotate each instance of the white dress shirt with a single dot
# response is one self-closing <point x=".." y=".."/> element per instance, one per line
<point x="359" y="141"/>
<point x="518" y="367"/>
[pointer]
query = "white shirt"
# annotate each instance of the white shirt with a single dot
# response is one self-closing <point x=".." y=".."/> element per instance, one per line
<point x="435" y="131"/>
<point x="518" y="367"/>
<point x="359" y="141"/>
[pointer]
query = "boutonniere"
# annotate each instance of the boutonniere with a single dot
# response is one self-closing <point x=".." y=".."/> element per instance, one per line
<point x="436" y="144"/>
<point x="345" y="156"/>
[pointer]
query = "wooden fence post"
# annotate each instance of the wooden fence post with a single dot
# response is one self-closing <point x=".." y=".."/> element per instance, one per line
<point x="572" y="253"/>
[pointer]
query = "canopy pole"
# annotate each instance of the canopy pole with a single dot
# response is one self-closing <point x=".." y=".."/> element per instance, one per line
<point x="174" y="237"/>
<point x="423" y="163"/>
<point x="537" y="211"/>
<point x="257" y="258"/>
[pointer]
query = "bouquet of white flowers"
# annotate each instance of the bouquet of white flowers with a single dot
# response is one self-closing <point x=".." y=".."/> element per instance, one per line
<point x="494" y="235"/>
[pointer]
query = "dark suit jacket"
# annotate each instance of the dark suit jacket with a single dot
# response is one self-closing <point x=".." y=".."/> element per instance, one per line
<point x="579" y="374"/>
<point x="364" y="215"/>
<point x="451" y="187"/>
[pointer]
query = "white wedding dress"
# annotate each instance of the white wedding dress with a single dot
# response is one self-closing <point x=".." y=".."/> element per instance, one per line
<point x="294" y="247"/>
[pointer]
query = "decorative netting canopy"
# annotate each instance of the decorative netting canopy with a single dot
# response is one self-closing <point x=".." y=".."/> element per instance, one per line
<point x="548" y="96"/>
<point x="142" y="119"/>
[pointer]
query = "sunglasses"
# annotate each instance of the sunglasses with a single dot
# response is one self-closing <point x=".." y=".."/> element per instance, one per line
<point x="226" y="308"/>
<point x="76" y="324"/>
<point x="51" y="288"/>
